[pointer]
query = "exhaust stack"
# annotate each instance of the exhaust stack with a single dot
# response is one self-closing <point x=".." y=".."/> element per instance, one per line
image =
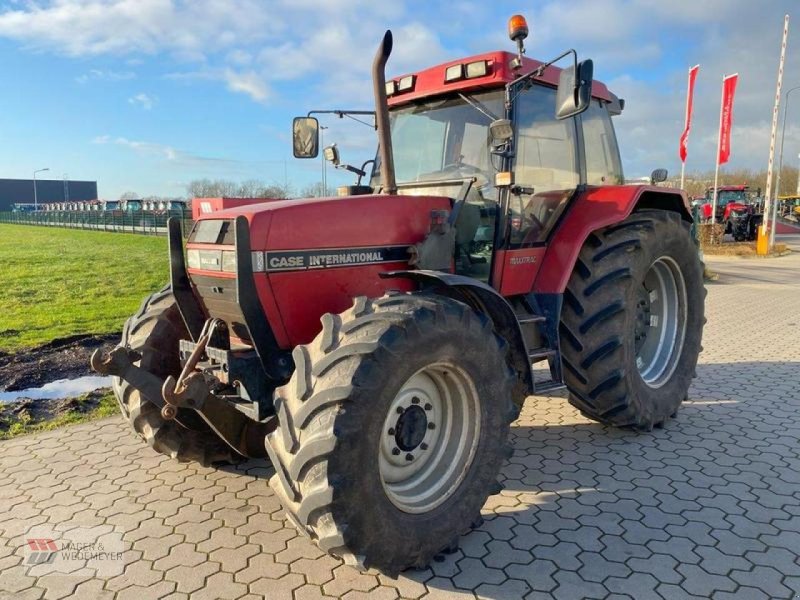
<point x="382" y="114"/>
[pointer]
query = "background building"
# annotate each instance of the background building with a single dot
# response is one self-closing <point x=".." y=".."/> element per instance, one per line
<point x="20" y="191"/>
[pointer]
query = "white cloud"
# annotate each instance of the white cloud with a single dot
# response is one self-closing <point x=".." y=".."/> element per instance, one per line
<point x="123" y="27"/>
<point x="247" y="82"/>
<point x="164" y="152"/>
<point x="149" y="148"/>
<point x="101" y="75"/>
<point x="143" y="101"/>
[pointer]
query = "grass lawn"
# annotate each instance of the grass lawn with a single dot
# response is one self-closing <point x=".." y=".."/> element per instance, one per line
<point x="60" y="282"/>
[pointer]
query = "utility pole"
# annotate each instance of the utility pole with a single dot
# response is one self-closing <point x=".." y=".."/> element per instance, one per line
<point x="35" y="197"/>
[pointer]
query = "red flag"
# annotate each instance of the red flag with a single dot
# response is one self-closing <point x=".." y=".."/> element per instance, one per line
<point x="689" y="104"/>
<point x="726" y="118"/>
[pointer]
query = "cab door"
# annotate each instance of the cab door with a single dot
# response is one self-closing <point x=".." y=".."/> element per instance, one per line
<point x="546" y="175"/>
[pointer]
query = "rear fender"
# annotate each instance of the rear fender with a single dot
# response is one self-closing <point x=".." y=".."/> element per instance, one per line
<point x="593" y="209"/>
<point x="485" y="300"/>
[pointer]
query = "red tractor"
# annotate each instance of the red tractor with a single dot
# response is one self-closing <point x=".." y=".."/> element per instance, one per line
<point x="738" y="209"/>
<point x="378" y="346"/>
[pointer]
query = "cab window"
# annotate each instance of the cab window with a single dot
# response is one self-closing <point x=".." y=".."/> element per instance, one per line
<point x="545" y="164"/>
<point x="603" y="166"/>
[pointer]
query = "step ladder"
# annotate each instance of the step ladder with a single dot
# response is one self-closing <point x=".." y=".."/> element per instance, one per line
<point x="535" y="317"/>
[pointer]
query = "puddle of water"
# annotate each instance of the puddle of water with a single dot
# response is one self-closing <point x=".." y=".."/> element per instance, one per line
<point x="63" y="388"/>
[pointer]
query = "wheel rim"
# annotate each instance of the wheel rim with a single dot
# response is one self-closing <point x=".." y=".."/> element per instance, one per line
<point x="429" y="437"/>
<point x="660" y="322"/>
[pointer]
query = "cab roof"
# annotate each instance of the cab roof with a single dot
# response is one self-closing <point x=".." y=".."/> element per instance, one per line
<point x="431" y="81"/>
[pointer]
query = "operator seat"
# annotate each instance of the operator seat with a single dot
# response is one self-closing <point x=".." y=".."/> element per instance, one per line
<point x="467" y="225"/>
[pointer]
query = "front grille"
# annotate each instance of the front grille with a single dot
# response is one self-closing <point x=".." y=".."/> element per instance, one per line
<point x="218" y="297"/>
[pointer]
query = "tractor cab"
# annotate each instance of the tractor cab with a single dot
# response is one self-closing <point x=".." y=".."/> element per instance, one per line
<point x="508" y="139"/>
<point x="728" y="197"/>
<point x="481" y="120"/>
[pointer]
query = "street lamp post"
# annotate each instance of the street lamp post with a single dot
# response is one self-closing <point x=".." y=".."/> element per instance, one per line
<point x="322" y="129"/>
<point x="35" y="198"/>
<point x="798" y="177"/>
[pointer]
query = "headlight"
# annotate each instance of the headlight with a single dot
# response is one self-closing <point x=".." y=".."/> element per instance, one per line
<point x="229" y="261"/>
<point x="193" y="259"/>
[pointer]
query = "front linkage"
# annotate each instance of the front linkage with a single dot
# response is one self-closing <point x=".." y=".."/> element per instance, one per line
<point x="236" y="401"/>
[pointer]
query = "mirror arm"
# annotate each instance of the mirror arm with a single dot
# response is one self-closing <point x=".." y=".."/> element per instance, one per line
<point x="347" y="113"/>
<point x="352" y="169"/>
<point x="364" y="169"/>
<point x="539" y="71"/>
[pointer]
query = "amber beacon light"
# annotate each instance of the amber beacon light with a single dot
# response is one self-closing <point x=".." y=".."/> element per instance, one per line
<point x="517" y="28"/>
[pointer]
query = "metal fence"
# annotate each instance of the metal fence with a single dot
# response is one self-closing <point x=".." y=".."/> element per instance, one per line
<point x="143" y="222"/>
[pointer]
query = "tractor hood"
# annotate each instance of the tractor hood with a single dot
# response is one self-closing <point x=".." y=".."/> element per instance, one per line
<point x="309" y="256"/>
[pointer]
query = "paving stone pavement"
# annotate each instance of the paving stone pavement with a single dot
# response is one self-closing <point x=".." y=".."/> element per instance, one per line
<point x="707" y="507"/>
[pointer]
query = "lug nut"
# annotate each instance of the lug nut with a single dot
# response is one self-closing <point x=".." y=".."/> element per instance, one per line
<point x="415" y="400"/>
<point x="409" y="457"/>
<point x="423" y="446"/>
<point x="395" y="451"/>
<point x="431" y="425"/>
<point x="391" y="431"/>
<point x="428" y="406"/>
<point x="400" y="410"/>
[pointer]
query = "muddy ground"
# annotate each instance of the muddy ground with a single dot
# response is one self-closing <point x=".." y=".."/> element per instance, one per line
<point x="64" y="358"/>
<point x="27" y="412"/>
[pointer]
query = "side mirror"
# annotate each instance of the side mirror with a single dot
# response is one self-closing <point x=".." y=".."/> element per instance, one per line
<point x="305" y="137"/>
<point x="501" y="131"/>
<point x="658" y="175"/>
<point x="574" y="92"/>
<point x="331" y="154"/>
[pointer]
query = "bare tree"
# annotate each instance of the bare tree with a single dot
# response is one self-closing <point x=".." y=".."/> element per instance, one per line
<point x="697" y="183"/>
<point x="129" y="196"/>
<point x="314" y="190"/>
<point x="252" y="188"/>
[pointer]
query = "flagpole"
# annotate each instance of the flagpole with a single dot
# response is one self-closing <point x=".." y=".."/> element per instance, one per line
<point x="716" y="169"/>
<point x="687" y="118"/>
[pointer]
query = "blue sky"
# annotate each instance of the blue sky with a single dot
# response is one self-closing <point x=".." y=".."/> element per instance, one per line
<point x="146" y="95"/>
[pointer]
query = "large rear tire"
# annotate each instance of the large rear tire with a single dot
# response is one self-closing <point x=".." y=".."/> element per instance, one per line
<point x="632" y="321"/>
<point x="154" y="332"/>
<point x="393" y="429"/>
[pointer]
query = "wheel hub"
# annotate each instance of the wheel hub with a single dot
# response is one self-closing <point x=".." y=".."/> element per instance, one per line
<point x="430" y="435"/>
<point x="412" y="425"/>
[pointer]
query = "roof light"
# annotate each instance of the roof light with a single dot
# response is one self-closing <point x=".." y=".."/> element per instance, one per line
<point x="517" y="28"/>
<point x="454" y="72"/>
<point x="391" y="87"/>
<point x="477" y="69"/>
<point x="406" y="83"/>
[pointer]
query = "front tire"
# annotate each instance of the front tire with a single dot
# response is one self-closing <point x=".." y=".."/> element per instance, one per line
<point x="155" y="332"/>
<point x="393" y="429"/>
<point x="632" y="321"/>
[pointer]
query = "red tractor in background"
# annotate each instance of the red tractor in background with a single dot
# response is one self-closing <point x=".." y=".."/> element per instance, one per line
<point x="378" y="346"/>
<point x="738" y="209"/>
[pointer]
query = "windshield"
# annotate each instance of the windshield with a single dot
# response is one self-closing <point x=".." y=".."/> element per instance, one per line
<point x="444" y="138"/>
<point x="725" y="196"/>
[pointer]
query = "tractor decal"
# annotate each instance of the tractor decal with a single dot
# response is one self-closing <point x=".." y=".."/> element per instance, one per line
<point x="301" y="260"/>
